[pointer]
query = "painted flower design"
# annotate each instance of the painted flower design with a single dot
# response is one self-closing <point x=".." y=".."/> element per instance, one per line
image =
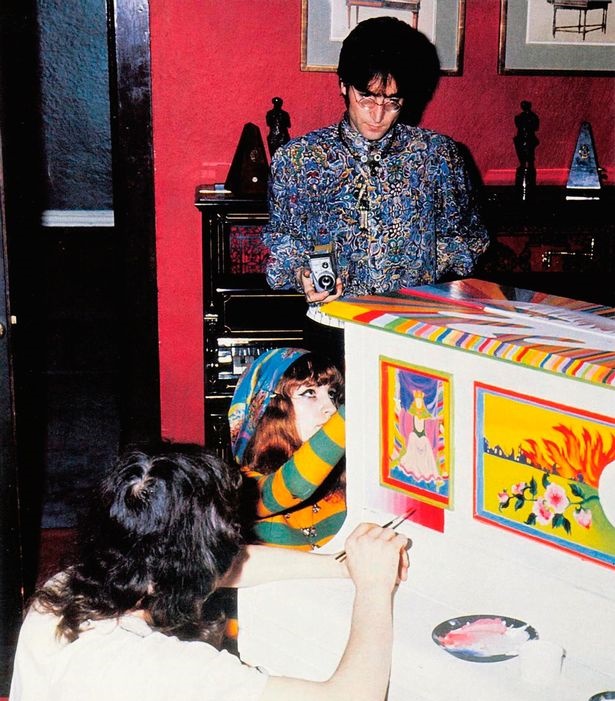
<point x="583" y="517"/>
<point x="542" y="512"/>
<point x="549" y="505"/>
<point x="503" y="498"/>
<point x="555" y="496"/>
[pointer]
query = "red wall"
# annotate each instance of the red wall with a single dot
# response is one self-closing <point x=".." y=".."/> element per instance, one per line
<point x="216" y="64"/>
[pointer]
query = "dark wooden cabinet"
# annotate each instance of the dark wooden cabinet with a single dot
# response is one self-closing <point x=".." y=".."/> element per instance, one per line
<point x="242" y="316"/>
<point x="551" y="244"/>
<point x="547" y="244"/>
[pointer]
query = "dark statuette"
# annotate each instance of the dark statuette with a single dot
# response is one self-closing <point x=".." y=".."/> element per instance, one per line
<point x="278" y="121"/>
<point x="525" y="141"/>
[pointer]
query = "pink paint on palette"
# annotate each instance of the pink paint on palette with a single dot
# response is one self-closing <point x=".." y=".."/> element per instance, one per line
<point x="483" y="638"/>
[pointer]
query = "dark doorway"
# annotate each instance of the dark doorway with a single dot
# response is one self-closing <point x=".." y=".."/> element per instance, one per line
<point x="11" y="581"/>
<point x="86" y="351"/>
<point x="21" y="186"/>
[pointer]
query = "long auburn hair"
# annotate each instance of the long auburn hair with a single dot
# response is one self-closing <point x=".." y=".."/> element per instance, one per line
<point x="275" y="438"/>
<point x="163" y="529"/>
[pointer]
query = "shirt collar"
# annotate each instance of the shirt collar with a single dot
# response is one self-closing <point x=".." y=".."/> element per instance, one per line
<point x="129" y="622"/>
<point x="361" y="145"/>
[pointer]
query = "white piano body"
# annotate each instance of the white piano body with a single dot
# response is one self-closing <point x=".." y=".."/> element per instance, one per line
<point x="560" y="356"/>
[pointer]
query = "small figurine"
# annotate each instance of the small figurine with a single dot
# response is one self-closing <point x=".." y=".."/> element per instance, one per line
<point x="525" y="141"/>
<point x="278" y="121"/>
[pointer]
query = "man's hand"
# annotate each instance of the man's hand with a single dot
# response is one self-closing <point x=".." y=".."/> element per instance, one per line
<point x="304" y="278"/>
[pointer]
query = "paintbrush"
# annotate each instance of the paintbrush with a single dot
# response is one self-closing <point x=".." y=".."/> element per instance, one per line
<point x="393" y="523"/>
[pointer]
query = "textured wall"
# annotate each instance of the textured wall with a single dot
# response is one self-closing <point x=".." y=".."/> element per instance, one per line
<point x="216" y="65"/>
<point x="75" y="103"/>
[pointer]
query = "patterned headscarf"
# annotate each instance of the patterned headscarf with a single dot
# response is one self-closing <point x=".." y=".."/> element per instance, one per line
<point x="253" y="393"/>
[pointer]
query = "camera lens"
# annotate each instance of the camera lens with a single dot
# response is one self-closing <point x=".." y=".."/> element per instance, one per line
<point x="326" y="282"/>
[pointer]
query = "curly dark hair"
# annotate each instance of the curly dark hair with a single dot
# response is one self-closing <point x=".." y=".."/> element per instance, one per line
<point x="163" y="530"/>
<point x="386" y="47"/>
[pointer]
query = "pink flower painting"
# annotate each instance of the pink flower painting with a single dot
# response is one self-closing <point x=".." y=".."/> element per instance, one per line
<point x="556" y="498"/>
<point x="542" y="512"/>
<point x="583" y="517"/>
<point x="548" y="507"/>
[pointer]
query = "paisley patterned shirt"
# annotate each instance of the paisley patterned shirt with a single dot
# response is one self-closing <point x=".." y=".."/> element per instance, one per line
<point x="398" y="212"/>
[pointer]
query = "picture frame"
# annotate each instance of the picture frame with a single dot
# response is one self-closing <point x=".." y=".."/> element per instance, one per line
<point x="557" y="37"/>
<point x="416" y="432"/>
<point x="538" y="471"/>
<point x="325" y="24"/>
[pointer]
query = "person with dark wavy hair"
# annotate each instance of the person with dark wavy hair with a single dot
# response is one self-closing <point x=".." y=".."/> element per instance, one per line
<point x="131" y="618"/>
<point x="287" y="431"/>
<point x="392" y="203"/>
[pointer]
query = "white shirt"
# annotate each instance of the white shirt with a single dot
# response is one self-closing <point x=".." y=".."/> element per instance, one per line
<point x="124" y="660"/>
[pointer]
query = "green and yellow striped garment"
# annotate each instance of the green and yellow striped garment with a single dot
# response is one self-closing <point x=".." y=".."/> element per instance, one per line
<point x="288" y="513"/>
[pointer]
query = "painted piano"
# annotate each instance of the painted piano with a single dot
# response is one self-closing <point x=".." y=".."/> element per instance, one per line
<point x="490" y="412"/>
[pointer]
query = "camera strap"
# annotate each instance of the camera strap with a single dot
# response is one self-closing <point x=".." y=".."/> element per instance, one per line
<point x="368" y="165"/>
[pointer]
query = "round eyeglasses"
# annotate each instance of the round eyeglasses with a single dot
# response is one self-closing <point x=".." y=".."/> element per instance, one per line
<point x="368" y="101"/>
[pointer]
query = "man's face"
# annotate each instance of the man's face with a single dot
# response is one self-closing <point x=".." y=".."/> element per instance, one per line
<point x="370" y="119"/>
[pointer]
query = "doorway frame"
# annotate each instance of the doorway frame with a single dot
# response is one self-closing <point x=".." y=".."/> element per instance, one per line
<point x="134" y="211"/>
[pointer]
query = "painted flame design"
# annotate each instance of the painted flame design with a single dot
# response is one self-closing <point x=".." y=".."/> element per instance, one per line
<point x="570" y="455"/>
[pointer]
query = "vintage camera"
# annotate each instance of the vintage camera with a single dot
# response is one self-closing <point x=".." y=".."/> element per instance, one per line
<point x="323" y="272"/>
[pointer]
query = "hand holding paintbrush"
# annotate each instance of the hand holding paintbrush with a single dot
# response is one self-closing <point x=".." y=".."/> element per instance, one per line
<point x="393" y="524"/>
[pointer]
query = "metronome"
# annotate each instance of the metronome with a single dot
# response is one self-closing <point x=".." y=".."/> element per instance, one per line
<point x="584" y="177"/>
<point x="249" y="169"/>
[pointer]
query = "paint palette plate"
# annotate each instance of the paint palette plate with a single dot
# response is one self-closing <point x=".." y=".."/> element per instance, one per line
<point x="483" y="637"/>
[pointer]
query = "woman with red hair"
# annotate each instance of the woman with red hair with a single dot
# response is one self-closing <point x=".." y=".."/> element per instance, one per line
<point x="287" y="434"/>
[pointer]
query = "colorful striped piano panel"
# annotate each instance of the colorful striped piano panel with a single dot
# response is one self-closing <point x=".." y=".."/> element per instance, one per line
<point x="547" y="332"/>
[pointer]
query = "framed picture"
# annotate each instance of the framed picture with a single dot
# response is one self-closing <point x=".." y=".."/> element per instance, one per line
<point x="326" y="23"/>
<point x="415" y="408"/>
<point x="539" y="472"/>
<point x="557" y="37"/>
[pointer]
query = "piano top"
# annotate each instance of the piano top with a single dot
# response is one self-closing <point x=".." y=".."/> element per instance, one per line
<point x="545" y="331"/>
